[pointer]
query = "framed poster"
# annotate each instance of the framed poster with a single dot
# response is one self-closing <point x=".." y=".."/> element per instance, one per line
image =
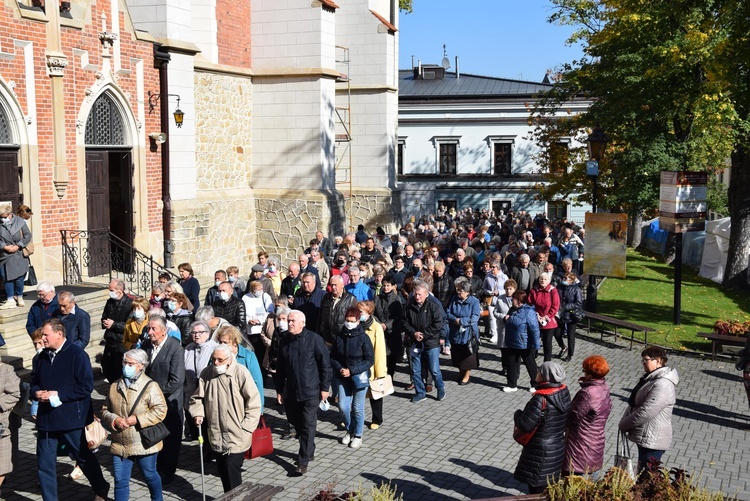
<point x="606" y="238"/>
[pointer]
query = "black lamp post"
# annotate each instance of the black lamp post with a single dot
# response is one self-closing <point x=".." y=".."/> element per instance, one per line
<point x="597" y="143"/>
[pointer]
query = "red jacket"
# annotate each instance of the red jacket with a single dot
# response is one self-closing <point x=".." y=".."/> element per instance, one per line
<point x="546" y="302"/>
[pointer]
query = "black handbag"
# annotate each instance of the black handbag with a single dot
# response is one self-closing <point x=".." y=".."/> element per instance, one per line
<point x="150" y="435"/>
<point x="31" y="277"/>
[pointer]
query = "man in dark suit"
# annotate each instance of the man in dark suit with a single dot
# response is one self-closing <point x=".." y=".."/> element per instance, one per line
<point x="43" y="308"/>
<point x="63" y="390"/>
<point x="77" y="322"/>
<point x="167" y="368"/>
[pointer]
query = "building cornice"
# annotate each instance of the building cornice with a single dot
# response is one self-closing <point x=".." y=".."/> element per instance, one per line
<point x="296" y="73"/>
<point x="201" y="64"/>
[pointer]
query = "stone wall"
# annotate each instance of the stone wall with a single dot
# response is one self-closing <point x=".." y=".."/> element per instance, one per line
<point x="375" y="208"/>
<point x="217" y="229"/>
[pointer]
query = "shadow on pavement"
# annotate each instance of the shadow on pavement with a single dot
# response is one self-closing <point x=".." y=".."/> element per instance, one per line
<point x="453" y="482"/>
<point x="411" y="490"/>
<point x="497" y="476"/>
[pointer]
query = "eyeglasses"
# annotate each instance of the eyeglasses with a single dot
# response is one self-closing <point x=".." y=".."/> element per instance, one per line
<point x="219" y="361"/>
<point x="198" y="333"/>
<point x="647" y="359"/>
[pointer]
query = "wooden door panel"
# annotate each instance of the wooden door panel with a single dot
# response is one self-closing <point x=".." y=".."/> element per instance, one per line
<point x="97" y="201"/>
<point x="10" y="186"/>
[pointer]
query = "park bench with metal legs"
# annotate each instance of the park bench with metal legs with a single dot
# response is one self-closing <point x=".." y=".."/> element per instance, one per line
<point x="617" y="323"/>
<point x="719" y="340"/>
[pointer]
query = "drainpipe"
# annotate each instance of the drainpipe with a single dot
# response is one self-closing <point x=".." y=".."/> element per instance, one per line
<point x="161" y="60"/>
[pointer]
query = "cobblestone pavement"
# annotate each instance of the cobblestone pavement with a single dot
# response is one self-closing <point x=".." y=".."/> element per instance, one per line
<point x="460" y="448"/>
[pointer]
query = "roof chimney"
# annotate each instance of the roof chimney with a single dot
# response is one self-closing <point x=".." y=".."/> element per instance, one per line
<point x="458" y="75"/>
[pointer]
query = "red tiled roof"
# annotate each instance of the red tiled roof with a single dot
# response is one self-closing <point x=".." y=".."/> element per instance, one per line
<point x="384" y="21"/>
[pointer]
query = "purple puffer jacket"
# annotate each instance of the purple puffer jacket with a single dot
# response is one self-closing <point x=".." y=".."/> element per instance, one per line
<point x="584" y="449"/>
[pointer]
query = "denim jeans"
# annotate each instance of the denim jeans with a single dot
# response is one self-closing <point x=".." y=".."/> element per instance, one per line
<point x="46" y="452"/>
<point x="13" y="287"/>
<point x="431" y="358"/>
<point x="645" y="454"/>
<point x="122" y="468"/>
<point x="352" y="405"/>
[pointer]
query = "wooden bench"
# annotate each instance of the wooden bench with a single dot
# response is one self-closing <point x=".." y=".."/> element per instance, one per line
<point x="719" y="340"/>
<point x="633" y="328"/>
<point x="248" y="490"/>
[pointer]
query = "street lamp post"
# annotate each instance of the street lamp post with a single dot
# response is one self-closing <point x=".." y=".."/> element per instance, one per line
<point x="597" y="143"/>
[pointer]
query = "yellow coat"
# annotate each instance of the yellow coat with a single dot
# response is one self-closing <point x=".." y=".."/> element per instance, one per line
<point x="377" y="338"/>
<point x="133" y="330"/>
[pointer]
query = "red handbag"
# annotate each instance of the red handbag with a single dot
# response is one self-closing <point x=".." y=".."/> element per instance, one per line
<point x="262" y="441"/>
<point x="524" y="438"/>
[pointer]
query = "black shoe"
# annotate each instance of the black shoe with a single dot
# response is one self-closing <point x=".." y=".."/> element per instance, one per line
<point x="567" y="359"/>
<point x="167" y="479"/>
<point x="300" y="470"/>
<point x="287" y="435"/>
<point x="563" y="352"/>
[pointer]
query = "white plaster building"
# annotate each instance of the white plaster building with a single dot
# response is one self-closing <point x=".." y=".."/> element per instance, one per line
<point x="463" y="142"/>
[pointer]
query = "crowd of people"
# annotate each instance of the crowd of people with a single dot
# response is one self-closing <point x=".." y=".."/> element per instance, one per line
<point x="322" y="329"/>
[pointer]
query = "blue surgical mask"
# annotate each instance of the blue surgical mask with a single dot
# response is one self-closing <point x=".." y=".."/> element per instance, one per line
<point x="128" y="372"/>
<point x="217" y="283"/>
<point x="363" y="317"/>
<point x="171" y="305"/>
<point x="232" y="278"/>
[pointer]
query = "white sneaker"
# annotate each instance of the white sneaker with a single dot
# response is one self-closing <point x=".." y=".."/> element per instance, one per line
<point x="19" y="301"/>
<point x="532" y="390"/>
<point x="356" y="442"/>
<point x="509" y="389"/>
<point x="347" y="438"/>
<point x="9" y="305"/>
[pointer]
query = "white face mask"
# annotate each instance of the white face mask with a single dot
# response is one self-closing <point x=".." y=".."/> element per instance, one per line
<point x="224" y="296"/>
<point x="350" y="325"/>
<point x="113" y="294"/>
<point x="217" y="283"/>
<point x="283" y="325"/>
<point x="221" y="369"/>
<point x="139" y="314"/>
<point x="39" y="350"/>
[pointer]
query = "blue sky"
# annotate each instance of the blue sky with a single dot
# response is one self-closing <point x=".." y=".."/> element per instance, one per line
<point x="501" y="38"/>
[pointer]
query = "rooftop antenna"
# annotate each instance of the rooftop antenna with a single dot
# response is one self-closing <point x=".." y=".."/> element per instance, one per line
<point x="446" y="61"/>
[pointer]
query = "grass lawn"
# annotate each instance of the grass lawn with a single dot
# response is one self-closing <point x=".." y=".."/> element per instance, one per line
<point x="646" y="297"/>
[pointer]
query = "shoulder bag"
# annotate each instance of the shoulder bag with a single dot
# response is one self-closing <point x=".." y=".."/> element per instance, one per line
<point x="150" y="435"/>
<point x="262" y="441"/>
<point x="95" y="434"/>
<point x="524" y="438"/>
<point x="381" y="387"/>
<point x="29" y="249"/>
<point x="622" y="457"/>
<point x="361" y="380"/>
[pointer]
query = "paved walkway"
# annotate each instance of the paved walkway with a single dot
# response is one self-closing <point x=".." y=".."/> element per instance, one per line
<point x="461" y="448"/>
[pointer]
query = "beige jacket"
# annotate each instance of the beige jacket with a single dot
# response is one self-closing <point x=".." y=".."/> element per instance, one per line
<point x="377" y="338"/>
<point x="10" y="393"/>
<point x="230" y="406"/>
<point x="151" y="409"/>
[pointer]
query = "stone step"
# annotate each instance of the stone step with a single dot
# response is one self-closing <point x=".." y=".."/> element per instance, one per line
<point x="91" y="297"/>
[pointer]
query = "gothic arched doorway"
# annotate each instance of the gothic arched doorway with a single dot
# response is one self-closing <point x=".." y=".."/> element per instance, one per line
<point x="10" y="172"/>
<point x="109" y="188"/>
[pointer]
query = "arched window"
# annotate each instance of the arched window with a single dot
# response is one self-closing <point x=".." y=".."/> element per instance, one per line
<point x="105" y="126"/>
<point x="5" y="133"/>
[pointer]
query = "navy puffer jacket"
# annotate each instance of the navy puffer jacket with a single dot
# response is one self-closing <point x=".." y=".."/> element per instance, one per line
<point x="542" y="458"/>
<point x="352" y="350"/>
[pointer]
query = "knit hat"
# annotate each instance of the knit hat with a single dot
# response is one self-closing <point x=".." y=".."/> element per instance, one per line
<point x="552" y="372"/>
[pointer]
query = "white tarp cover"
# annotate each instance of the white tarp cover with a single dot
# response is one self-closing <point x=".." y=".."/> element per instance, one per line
<point x="715" y="249"/>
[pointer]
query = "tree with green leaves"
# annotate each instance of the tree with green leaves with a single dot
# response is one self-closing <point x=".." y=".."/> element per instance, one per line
<point x="663" y="82"/>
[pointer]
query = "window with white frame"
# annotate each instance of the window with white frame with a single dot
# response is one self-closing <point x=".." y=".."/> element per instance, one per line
<point x="501" y="154"/>
<point x="557" y="209"/>
<point x="446" y="152"/>
<point x="400" y="150"/>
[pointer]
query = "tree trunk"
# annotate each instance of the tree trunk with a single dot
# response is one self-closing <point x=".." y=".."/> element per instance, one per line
<point x="635" y="221"/>
<point x="739" y="213"/>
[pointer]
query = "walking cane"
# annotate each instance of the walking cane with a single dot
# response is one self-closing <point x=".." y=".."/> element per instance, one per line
<point x="200" y="453"/>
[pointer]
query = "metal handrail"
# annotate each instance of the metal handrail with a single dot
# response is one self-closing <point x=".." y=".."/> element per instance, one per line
<point x="100" y="252"/>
